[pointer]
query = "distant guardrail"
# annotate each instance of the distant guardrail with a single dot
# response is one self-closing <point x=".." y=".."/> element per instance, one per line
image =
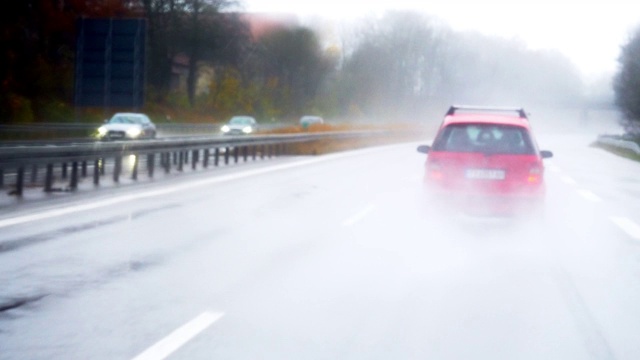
<point x="73" y="161"/>
<point x="12" y="133"/>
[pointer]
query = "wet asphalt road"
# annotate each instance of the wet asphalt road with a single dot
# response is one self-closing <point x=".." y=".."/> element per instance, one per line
<point x="327" y="258"/>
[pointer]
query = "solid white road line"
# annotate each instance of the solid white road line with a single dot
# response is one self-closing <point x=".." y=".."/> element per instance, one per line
<point x="568" y="180"/>
<point x="589" y="195"/>
<point x="629" y="226"/>
<point x="172" y="189"/>
<point x="179" y="337"/>
<point x="358" y="216"/>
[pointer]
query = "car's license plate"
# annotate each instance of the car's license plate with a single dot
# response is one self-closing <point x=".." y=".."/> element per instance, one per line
<point x="485" y="174"/>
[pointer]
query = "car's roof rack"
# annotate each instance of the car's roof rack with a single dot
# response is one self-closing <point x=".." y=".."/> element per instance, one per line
<point x="452" y="110"/>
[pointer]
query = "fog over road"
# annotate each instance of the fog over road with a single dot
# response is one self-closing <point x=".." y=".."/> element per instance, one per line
<point x="330" y="257"/>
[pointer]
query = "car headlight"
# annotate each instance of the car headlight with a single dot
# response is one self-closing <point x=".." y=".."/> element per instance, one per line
<point x="102" y="131"/>
<point x="134" y="132"/>
<point x="225" y="128"/>
<point x="247" y="129"/>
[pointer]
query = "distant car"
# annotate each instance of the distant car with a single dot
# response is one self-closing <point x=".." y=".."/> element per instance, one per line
<point x="310" y="120"/>
<point x="240" y="125"/>
<point x="127" y="126"/>
<point x="485" y="159"/>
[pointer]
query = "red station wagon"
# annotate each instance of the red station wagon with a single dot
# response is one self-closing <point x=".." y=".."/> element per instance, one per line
<point x="485" y="159"/>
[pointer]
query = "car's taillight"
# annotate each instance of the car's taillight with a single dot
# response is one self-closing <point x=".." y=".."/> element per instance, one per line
<point x="434" y="172"/>
<point x="535" y="175"/>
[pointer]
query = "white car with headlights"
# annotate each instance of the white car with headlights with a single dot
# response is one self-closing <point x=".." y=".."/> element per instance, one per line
<point x="127" y="126"/>
<point x="240" y="125"/>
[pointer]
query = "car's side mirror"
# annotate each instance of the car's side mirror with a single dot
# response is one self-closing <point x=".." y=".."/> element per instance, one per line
<point x="546" y="154"/>
<point x="424" y="149"/>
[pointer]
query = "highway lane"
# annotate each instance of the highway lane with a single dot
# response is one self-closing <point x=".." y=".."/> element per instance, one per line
<point x="331" y="257"/>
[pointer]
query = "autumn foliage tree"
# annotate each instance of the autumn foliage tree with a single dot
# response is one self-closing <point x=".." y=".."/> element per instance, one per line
<point x="395" y="66"/>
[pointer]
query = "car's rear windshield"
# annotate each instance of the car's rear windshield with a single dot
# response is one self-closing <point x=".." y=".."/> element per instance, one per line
<point x="484" y="138"/>
<point x="241" y="120"/>
<point x="126" y="119"/>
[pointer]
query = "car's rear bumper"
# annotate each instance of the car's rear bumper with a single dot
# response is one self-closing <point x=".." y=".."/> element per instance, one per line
<point x="490" y="203"/>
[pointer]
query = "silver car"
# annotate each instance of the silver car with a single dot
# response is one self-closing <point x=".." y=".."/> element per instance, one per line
<point x="127" y="126"/>
<point x="240" y="125"/>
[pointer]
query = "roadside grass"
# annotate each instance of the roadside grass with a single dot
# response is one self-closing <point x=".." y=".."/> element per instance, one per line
<point x="618" y="151"/>
<point x="381" y="135"/>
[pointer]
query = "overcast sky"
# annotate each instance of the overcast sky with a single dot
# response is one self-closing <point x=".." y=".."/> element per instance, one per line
<point x="589" y="32"/>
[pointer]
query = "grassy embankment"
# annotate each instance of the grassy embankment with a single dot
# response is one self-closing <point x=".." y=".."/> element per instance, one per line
<point x="379" y="135"/>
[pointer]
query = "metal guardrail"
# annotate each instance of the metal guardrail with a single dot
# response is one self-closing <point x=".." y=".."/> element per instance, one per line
<point x="38" y="133"/>
<point x="79" y="157"/>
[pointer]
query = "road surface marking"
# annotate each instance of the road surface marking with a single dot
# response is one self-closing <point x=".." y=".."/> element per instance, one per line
<point x="568" y="180"/>
<point x="589" y="195"/>
<point x="629" y="226"/>
<point x="46" y="214"/>
<point x="554" y="168"/>
<point x="358" y="216"/>
<point x="165" y="347"/>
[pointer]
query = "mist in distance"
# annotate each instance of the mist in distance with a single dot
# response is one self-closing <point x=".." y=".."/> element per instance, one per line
<point x="405" y="65"/>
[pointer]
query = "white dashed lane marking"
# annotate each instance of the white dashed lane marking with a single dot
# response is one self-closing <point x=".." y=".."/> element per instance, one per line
<point x="589" y="195"/>
<point x="629" y="226"/>
<point x="358" y="216"/>
<point x="553" y="168"/>
<point x="165" y="347"/>
<point x="568" y="180"/>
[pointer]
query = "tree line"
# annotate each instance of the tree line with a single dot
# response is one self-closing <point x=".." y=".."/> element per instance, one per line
<point x="627" y="85"/>
<point x="394" y="67"/>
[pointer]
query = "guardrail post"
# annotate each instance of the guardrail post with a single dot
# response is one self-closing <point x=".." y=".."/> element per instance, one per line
<point x="194" y="159"/>
<point x="117" y="168"/>
<point x="84" y="169"/>
<point x="73" y="185"/>
<point x="48" y="178"/>
<point x="134" y="170"/>
<point x="64" y="170"/>
<point x="151" y="164"/>
<point x="216" y="155"/>
<point x="205" y="161"/>
<point x="20" y="181"/>
<point x="254" y="152"/>
<point x="236" y="152"/>
<point x="227" y="150"/>
<point x="181" y="161"/>
<point x="96" y="171"/>
<point x="167" y="163"/>
<point x="34" y="173"/>
<point x="245" y="153"/>
<point x="103" y="166"/>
